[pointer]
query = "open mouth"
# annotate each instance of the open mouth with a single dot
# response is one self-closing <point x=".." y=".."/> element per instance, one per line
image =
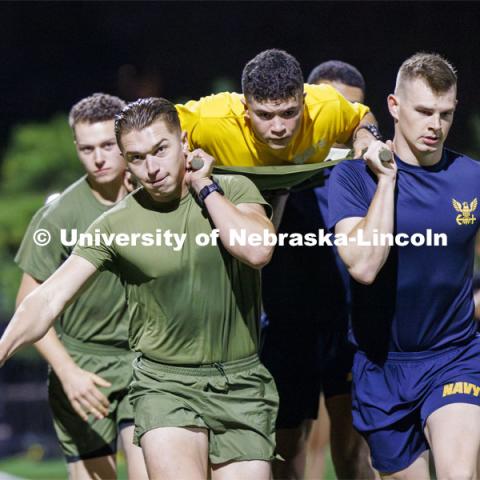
<point x="280" y="141"/>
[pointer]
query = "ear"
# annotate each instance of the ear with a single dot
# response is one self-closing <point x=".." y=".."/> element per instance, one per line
<point x="184" y="140"/>
<point x="245" y="107"/>
<point x="302" y="99"/>
<point x="393" y="105"/>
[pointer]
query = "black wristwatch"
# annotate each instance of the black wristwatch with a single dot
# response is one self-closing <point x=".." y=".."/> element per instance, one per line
<point x="372" y="128"/>
<point x="208" y="189"/>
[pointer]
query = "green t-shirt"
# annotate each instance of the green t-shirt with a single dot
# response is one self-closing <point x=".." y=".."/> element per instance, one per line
<point x="100" y="314"/>
<point x="190" y="305"/>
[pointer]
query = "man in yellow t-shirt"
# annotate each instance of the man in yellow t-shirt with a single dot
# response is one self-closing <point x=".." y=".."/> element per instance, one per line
<point x="278" y="120"/>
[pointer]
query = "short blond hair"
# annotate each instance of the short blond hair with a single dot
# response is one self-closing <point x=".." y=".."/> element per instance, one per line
<point x="439" y="74"/>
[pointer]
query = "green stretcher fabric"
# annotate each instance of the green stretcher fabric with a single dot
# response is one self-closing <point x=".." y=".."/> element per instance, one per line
<point x="285" y="177"/>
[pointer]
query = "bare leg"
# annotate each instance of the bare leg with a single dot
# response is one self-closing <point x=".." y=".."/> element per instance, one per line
<point x="100" y="468"/>
<point x="254" y="469"/>
<point x="291" y="445"/>
<point x="418" y="470"/>
<point x="350" y="452"/>
<point x="453" y="432"/>
<point x="317" y="444"/>
<point x="172" y="453"/>
<point x="136" y="469"/>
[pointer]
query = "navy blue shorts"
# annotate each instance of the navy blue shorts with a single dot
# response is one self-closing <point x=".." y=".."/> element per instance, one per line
<point x="391" y="402"/>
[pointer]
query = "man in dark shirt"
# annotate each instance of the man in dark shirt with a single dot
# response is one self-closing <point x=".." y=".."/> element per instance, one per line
<point x="416" y="376"/>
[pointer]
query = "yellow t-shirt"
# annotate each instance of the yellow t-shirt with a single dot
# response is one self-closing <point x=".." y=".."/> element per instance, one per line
<point x="217" y="124"/>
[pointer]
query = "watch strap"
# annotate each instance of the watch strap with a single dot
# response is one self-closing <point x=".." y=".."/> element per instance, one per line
<point x="208" y="189"/>
<point x="371" y="128"/>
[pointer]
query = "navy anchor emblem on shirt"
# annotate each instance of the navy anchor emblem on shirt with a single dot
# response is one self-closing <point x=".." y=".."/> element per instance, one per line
<point x="465" y="216"/>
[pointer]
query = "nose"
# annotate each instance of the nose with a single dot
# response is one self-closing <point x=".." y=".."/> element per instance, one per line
<point x="278" y="128"/>
<point x="151" y="165"/>
<point x="436" y="122"/>
<point x="98" y="157"/>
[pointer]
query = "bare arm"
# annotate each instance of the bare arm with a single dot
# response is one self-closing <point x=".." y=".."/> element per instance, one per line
<point x="362" y="138"/>
<point x="227" y="217"/>
<point x="37" y="312"/>
<point x="250" y="218"/>
<point x="364" y="262"/>
<point x="79" y="385"/>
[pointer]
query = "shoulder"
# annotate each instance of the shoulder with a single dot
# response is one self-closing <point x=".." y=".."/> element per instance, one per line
<point x="120" y="212"/>
<point x="240" y="189"/>
<point x="319" y="94"/>
<point x="463" y="161"/>
<point x="64" y="207"/>
<point x="326" y="104"/>
<point x="214" y="106"/>
<point x="234" y="182"/>
<point x="355" y="169"/>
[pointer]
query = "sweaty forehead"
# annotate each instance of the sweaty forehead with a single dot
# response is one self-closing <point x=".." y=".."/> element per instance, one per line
<point x="417" y="90"/>
<point x="144" y="139"/>
<point x="86" y="132"/>
<point x="279" y="104"/>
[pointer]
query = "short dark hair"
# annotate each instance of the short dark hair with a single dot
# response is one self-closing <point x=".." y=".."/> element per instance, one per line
<point x="439" y="74"/>
<point x="337" y="71"/>
<point x="98" y="107"/>
<point x="143" y="112"/>
<point x="272" y="75"/>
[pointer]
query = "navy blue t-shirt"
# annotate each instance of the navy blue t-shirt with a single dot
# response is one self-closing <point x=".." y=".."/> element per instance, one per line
<point x="422" y="297"/>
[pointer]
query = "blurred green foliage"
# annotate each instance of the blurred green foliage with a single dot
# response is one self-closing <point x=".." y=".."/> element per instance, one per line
<point x="40" y="159"/>
<point x="474" y="127"/>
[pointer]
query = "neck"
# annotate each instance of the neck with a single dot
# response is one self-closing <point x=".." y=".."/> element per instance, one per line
<point x="175" y="196"/>
<point x="409" y="154"/>
<point x="108" y="193"/>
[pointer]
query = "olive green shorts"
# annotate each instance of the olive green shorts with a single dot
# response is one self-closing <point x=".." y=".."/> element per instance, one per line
<point x="82" y="440"/>
<point x="236" y="402"/>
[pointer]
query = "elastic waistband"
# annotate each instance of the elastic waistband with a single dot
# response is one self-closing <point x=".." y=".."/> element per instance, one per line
<point x="422" y="355"/>
<point x="206" y="370"/>
<point x="79" y="346"/>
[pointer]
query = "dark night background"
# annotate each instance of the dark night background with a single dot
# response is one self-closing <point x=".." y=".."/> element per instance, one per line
<point x="54" y="53"/>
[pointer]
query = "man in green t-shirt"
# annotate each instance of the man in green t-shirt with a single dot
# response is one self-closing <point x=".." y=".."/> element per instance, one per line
<point x="91" y="365"/>
<point x="186" y="246"/>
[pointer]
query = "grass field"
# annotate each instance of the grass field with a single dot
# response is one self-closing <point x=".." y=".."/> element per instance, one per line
<point x="42" y="470"/>
<point x="55" y="469"/>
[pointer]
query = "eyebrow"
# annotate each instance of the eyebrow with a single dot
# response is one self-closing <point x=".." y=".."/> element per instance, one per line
<point x="261" y="109"/>
<point x="431" y="109"/>
<point x="130" y="153"/>
<point x="112" y="139"/>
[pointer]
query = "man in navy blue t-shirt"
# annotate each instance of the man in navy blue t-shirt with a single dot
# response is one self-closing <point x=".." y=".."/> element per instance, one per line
<point x="417" y="372"/>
